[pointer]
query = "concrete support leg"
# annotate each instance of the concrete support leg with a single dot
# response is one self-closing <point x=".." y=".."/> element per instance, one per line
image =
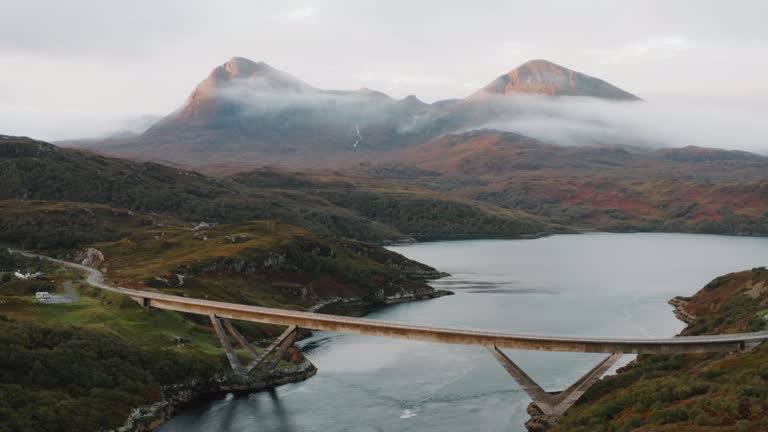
<point x="276" y="349"/>
<point x="274" y="352"/>
<point x="553" y="404"/>
<point x="237" y="367"/>
<point x="239" y="337"/>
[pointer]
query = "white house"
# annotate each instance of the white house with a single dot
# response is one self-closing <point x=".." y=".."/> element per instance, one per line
<point x="43" y="296"/>
<point x="20" y="275"/>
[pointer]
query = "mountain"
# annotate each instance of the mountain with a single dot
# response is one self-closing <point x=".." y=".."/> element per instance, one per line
<point x="247" y="111"/>
<point x="544" y="77"/>
<point x="218" y="100"/>
<point x="249" y="114"/>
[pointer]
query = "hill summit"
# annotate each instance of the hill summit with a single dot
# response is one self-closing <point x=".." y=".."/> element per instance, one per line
<point x="545" y="77"/>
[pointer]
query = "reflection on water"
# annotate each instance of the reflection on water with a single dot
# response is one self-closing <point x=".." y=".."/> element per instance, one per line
<point x="595" y="284"/>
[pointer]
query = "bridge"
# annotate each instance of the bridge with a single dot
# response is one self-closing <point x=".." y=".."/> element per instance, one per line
<point x="551" y="403"/>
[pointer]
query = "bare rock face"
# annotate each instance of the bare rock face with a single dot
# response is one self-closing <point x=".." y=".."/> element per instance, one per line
<point x="539" y="421"/>
<point x="90" y="257"/>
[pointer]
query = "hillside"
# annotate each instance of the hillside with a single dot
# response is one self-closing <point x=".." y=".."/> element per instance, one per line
<point x="249" y="114"/>
<point x="687" y="393"/>
<point x="118" y="356"/>
<point x="688" y="189"/>
<point x="103" y="356"/>
<point x="33" y="170"/>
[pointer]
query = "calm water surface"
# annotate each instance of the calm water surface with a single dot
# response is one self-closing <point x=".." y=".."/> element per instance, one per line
<point x="591" y="284"/>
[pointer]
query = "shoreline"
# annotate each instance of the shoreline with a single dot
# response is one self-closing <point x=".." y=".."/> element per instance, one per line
<point x="540" y="422"/>
<point x="176" y="398"/>
<point x="151" y="417"/>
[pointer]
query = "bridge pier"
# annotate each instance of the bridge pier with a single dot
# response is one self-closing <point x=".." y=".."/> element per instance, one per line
<point x="275" y="351"/>
<point x="553" y="404"/>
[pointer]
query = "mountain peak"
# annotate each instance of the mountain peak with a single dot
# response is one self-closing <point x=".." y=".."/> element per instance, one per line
<point x="241" y="66"/>
<point x="245" y="72"/>
<point x="546" y="78"/>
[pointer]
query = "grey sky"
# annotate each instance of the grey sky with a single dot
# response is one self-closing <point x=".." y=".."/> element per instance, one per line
<point x="83" y="67"/>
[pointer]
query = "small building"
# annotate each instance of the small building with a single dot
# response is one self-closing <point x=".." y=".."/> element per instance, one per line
<point x="19" y="275"/>
<point x="43" y="296"/>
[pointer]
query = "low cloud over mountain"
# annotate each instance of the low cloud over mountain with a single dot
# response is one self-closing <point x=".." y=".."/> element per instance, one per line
<point x="251" y="113"/>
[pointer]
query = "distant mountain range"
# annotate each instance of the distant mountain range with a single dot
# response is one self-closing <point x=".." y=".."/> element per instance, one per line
<point x="250" y="113"/>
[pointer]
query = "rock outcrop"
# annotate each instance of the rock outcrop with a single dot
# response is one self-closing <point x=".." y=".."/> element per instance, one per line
<point x="149" y="418"/>
<point x="90" y="257"/>
<point x="539" y="422"/>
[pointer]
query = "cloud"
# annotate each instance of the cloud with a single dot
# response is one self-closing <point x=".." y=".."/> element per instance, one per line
<point x="564" y="120"/>
<point x="300" y="13"/>
<point x="653" y="48"/>
<point x="61" y="124"/>
<point x="589" y="121"/>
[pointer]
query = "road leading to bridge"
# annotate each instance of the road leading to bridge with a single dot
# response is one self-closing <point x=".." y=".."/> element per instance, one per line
<point x="342" y="324"/>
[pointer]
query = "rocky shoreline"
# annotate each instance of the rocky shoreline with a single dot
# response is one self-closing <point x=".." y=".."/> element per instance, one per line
<point x="679" y="304"/>
<point x="175" y="398"/>
<point x="358" y="306"/>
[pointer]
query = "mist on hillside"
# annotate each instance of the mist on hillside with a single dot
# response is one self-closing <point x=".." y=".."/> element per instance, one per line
<point x="561" y="120"/>
<point x="259" y="97"/>
<point x="591" y="121"/>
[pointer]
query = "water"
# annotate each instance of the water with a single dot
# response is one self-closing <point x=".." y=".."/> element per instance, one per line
<point x="592" y="284"/>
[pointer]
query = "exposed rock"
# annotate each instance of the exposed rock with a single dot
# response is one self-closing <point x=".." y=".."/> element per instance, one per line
<point x="235" y="238"/>
<point x="679" y="303"/>
<point x="159" y="281"/>
<point x="334" y="304"/>
<point x="90" y="257"/>
<point x="167" y="280"/>
<point x="203" y="225"/>
<point x="278" y="261"/>
<point x="179" y="340"/>
<point x="755" y="289"/>
<point x="539" y="422"/>
<point x="175" y="398"/>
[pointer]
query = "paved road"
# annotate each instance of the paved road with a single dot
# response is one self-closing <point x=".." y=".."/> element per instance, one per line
<point x="316" y="321"/>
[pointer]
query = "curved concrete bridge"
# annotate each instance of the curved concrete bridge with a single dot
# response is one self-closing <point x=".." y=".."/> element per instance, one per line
<point x="551" y="403"/>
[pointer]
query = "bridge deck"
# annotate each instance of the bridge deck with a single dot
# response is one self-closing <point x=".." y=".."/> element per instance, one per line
<point x="317" y="321"/>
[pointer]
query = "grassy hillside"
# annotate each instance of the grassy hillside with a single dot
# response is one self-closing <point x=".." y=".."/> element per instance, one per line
<point x="61" y="226"/>
<point x="97" y="358"/>
<point x="104" y="355"/>
<point x="687" y="189"/>
<point x="691" y="393"/>
<point x="34" y="170"/>
<point x="265" y="263"/>
<point x="419" y="213"/>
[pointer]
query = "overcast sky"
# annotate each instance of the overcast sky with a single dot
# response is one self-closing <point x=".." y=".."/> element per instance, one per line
<point x="84" y="67"/>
